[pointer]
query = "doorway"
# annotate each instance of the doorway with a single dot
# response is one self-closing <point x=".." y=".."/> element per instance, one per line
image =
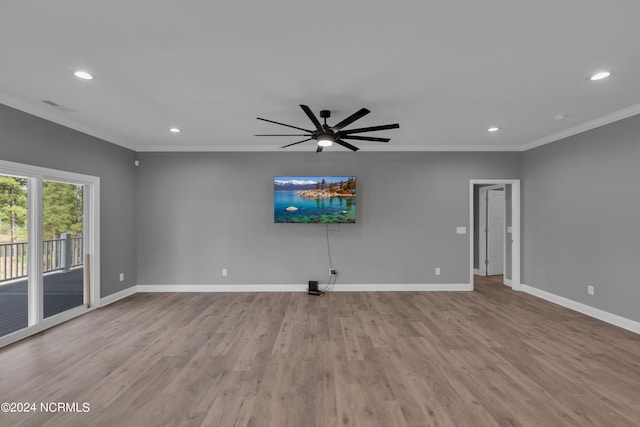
<point x="492" y="232"/>
<point x="497" y="252"/>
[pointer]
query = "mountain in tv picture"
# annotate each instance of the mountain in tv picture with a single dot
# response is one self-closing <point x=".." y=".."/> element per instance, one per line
<point x="294" y="185"/>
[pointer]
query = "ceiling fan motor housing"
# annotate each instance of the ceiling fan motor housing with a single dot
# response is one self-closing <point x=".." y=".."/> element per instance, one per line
<point x="327" y="136"/>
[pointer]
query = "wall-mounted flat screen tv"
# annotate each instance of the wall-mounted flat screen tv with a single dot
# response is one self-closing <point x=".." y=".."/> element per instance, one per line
<point x="314" y="199"/>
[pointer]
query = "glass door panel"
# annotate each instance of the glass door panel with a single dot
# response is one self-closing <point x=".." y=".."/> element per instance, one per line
<point x="14" y="276"/>
<point x="62" y="246"/>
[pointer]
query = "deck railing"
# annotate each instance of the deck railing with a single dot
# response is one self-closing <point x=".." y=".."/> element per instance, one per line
<point x="13" y="260"/>
<point x="57" y="254"/>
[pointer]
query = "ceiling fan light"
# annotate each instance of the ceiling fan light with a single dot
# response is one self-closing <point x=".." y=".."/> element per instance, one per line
<point x="325" y="142"/>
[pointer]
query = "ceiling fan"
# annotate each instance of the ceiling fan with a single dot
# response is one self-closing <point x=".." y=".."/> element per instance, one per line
<point x="326" y="135"/>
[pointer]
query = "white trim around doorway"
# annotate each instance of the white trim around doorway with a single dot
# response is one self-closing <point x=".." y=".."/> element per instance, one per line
<point x="515" y="227"/>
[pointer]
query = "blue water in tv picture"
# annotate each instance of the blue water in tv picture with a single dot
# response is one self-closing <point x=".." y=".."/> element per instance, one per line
<point x="314" y="199"/>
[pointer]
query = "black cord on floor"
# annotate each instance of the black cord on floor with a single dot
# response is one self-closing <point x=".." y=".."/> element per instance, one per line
<point x="331" y="276"/>
<point x="328" y="246"/>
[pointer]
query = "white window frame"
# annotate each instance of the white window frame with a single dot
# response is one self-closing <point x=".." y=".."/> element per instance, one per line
<point x="91" y="194"/>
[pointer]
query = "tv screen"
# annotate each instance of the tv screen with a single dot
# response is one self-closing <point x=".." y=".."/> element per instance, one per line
<point x="314" y="199"/>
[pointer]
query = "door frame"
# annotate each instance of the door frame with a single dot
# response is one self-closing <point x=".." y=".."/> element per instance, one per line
<point x="91" y="195"/>
<point x="482" y="237"/>
<point x="516" y="285"/>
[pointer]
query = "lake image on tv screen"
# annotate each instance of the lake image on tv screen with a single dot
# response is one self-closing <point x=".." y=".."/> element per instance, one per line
<point x="314" y="199"/>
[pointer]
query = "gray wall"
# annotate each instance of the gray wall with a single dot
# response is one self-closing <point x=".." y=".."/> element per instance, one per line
<point x="581" y="207"/>
<point x="194" y="214"/>
<point x="200" y="212"/>
<point x="30" y="140"/>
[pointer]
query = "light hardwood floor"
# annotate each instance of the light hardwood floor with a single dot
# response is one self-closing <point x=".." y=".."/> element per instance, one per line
<point x="491" y="357"/>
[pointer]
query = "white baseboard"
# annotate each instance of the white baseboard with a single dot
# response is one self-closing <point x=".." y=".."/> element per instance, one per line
<point x="605" y="316"/>
<point x="477" y="272"/>
<point x="110" y="299"/>
<point x="402" y="287"/>
<point x="508" y="282"/>
<point x="378" y="287"/>
<point x="222" y="288"/>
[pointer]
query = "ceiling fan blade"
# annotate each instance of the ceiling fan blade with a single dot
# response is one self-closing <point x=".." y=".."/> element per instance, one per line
<point x="366" y="138"/>
<point x="347" y="145"/>
<point x="352" y="118"/>
<point x="289" y="145"/>
<point x="282" y="124"/>
<point x="283" y="134"/>
<point x="319" y="149"/>
<point x="370" y="129"/>
<point x="312" y="116"/>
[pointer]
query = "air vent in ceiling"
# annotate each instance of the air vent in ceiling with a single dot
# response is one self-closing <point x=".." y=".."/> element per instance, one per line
<point x="58" y="106"/>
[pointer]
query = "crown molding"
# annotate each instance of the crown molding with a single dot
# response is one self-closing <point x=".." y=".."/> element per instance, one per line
<point x="275" y="148"/>
<point x="43" y="113"/>
<point x="50" y="116"/>
<point x="600" y="121"/>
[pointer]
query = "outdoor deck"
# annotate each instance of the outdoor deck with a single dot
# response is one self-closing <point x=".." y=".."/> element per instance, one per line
<point x="62" y="291"/>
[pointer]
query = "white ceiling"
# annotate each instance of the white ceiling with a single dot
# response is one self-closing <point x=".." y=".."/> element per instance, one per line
<point x="445" y="70"/>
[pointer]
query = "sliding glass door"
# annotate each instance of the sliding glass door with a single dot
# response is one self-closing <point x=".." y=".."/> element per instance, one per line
<point x="62" y="247"/>
<point x="49" y="263"/>
<point x="14" y="271"/>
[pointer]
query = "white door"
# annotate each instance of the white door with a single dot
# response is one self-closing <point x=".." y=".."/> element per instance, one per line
<point x="495" y="232"/>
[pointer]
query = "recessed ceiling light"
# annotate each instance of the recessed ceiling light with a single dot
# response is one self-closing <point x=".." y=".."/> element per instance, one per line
<point x="84" y="75"/>
<point x="174" y="130"/>
<point x="599" y="76"/>
<point x="493" y="129"/>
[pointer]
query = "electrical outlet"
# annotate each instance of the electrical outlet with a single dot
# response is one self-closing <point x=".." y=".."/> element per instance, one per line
<point x="437" y="271"/>
<point x="332" y="271"/>
<point x="590" y="290"/>
<point x="225" y="272"/>
<point x="122" y="277"/>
